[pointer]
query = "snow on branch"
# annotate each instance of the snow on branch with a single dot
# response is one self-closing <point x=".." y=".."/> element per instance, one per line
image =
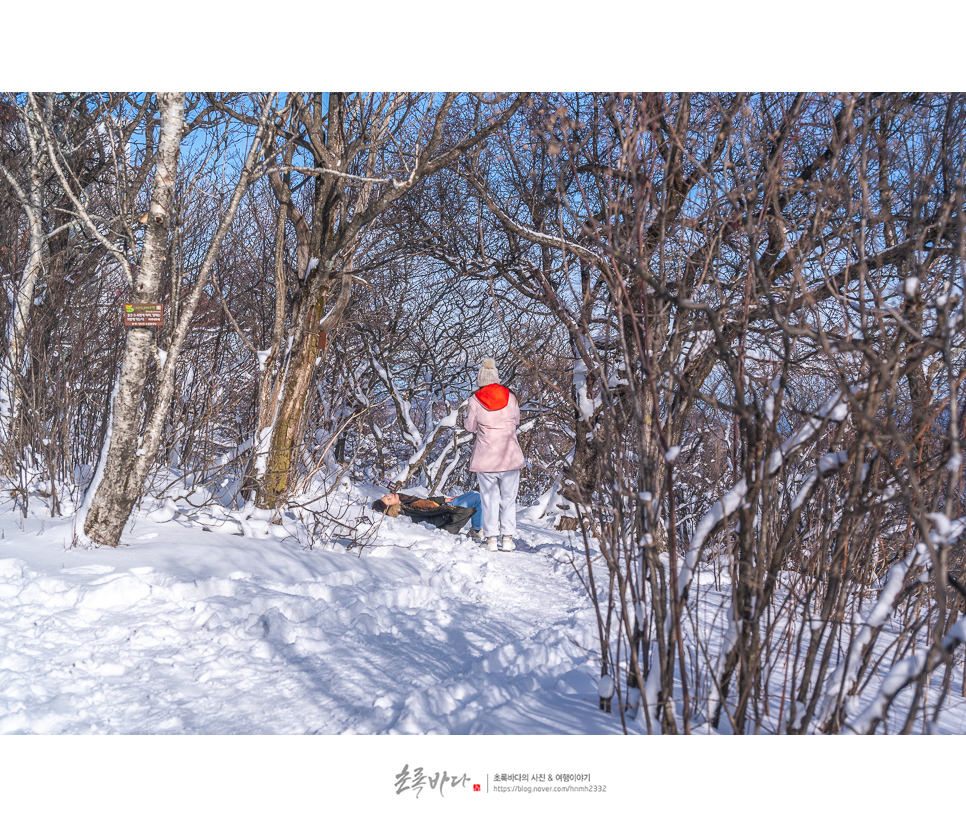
<point x="835" y="409"/>
<point x="395" y="183"/>
<point x="909" y="668"/>
<point x="448" y="423"/>
<point x="411" y="433"/>
<point x="901" y="675"/>
<point x="532" y="235"/>
<point x="844" y="675"/>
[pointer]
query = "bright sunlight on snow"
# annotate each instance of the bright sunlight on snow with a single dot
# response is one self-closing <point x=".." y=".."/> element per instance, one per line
<point x="187" y="630"/>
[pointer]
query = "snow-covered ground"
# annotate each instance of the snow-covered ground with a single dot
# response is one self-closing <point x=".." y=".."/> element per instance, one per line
<point x="213" y="622"/>
<point x="233" y="679"/>
<point x="192" y="631"/>
<point x="421" y="636"/>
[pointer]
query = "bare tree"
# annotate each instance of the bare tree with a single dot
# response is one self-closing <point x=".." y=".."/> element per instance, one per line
<point x="728" y="252"/>
<point x="128" y="454"/>
<point x="361" y="153"/>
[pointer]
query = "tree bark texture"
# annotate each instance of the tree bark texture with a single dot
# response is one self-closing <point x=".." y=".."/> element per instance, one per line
<point x="10" y="376"/>
<point x="119" y="487"/>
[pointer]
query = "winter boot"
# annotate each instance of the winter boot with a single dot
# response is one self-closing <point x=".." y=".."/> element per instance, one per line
<point x="477" y="535"/>
<point x="491" y="544"/>
<point x="508" y="543"/>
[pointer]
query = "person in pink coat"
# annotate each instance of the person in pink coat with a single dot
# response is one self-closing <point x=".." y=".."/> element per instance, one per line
<point x="497" y="459"/>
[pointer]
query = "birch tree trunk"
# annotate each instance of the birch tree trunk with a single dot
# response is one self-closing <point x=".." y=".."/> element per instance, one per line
<point x="16" y="335"/>
<point x="129" y="455"/>
<point x="117" y="488"/>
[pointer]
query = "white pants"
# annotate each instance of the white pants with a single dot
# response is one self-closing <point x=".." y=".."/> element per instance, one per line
<point x="499" y="493"/>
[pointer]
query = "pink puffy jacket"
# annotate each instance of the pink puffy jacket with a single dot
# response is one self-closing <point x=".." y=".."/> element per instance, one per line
<point x="494" y="415"/>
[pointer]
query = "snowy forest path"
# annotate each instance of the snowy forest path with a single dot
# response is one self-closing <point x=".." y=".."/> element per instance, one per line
<point x="191" y="632"/>
<point x="503" y="637"/>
